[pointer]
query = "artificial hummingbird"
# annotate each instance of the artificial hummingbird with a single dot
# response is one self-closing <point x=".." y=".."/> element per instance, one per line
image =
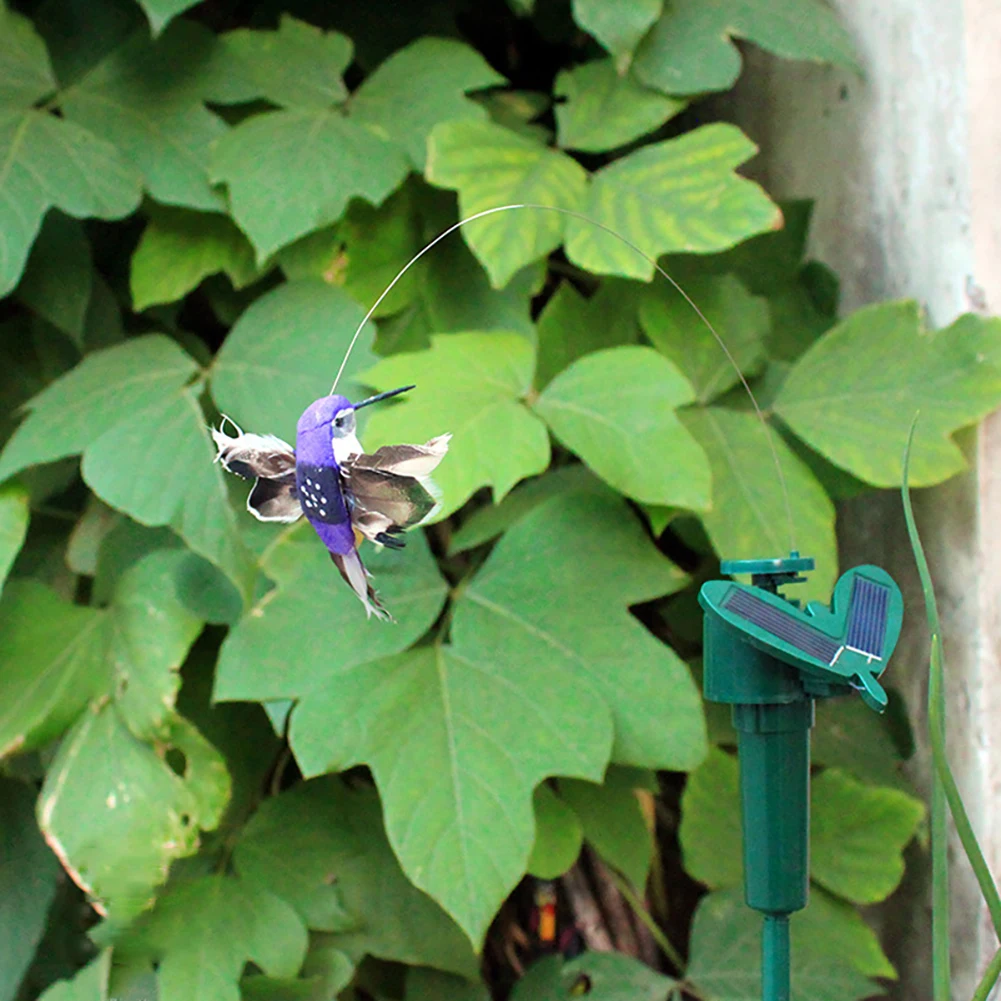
<point x="345" y="494"/>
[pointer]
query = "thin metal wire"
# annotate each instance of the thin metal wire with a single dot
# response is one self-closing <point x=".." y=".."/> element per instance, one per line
<point x="646" y="257"/>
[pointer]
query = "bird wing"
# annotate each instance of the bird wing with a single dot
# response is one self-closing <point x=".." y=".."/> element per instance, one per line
<point x="271" y="463"/>
<point x="390" y="490"/>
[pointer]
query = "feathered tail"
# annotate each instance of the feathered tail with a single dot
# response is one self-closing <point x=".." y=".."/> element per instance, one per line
<point x="354" y="573"/>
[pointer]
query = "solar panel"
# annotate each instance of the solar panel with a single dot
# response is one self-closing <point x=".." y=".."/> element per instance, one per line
<point x="785" y="627"/>
<point x="867" y="615"/>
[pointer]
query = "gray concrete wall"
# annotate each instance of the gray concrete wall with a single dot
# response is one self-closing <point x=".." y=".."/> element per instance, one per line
<point x="905" y="167"/>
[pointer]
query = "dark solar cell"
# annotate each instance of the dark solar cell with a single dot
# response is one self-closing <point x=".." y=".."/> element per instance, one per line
<point x="785" y="627"/>
<point x="867" y="616"/>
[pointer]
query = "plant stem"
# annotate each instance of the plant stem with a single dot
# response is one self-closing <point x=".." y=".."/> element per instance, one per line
<point x="989" y="978"/>
<point x="944" y="788"/>
<point x="666" y="946"/>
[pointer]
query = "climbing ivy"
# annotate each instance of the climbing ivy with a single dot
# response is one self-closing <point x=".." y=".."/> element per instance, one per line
<point x="218" y="779"/>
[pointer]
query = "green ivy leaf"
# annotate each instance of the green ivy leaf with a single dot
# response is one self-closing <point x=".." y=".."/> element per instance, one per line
<point x="297" y="66"/>
<point x="851" y="736"/>
<point x="150" y="633"/>
<point x="558" y="835"/>
<point x="538" y="681"/>
<point x="110" y="407"/>
<point x="319" y="159"/>
<point x="283" y="353"/>
<point x="204" y="931"/>
<point x="669" y="197"/>
<point x="857" y="831"/>
<point x="29" y="873"/>
<point x="725" y="958"/>
<point x="144" y="98"/>
<point x="420" y="86"/>
<point x="25" y="72"/>
<point x="691" y="49"/>
<point x="279" y="651"/>
<point x="59" y="277"/>
<point x="431" y="985"/>
<point x="834" y="927"/>
<point x="748" y="517"/>
<point x="376" y="245"/>
<point x="675" y="329"/>
<point x="858" y="834"/>
<point x="853" y="395"/>
<point x="89" y="984"/>
<point x="604" y="976"/>
<point x="616" y="410"/>
<point x="486" y="523"/>
<point x="48" y="162"/>
<point x="613" y="822"/>
<point x="473" y="386"/>
<point x="108" y="796"/>
<point x="603" y="110"/>
<point x="571" y="326"/>
<point x="711" y="843"/>
<point x="53" y="664"/>
<point x="346" y="879"/>
<point x="14" y="516"/>
<point x="161" y="12"/>
<point x="178" y="249"/>
<point x="619" y="27"/>
<point x="457" y="294"/>
<point x="491" y="166"/>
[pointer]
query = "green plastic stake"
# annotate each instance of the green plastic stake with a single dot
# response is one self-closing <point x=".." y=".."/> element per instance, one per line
<point x="770" y="660"/>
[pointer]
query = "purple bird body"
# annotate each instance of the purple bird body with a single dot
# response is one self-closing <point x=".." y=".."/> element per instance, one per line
<point x="318" y="476"/>
<point x="345" y="494"/>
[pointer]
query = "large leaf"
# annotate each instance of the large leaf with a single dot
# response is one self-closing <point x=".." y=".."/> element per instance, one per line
<point x="486" y="523"/>
<point x="59" y="277"/>
<point x="492" y="166"/>
<point x="691" y="51"/>
<point x="144" y="99"/>
<point x="283" y="353"/>
<point x="108" y="797"/>
<point x="53" y="661"/>
<point x="149" y="634"/>
<point x="616" y="410"/>
<point x="179" y="248"/>
<point x="543" y="677"/>
<point x="420" y="86"/>
<point x="318" y="159"/>
<point x="111" y="407"/>
<point x="604" y="110"/>
<point x="345" y="878"/>
<point x="311" y="625"/>
<point x="204" y="931"/>
<point x="571" y="326"/>
<point x="675" y="328"/>
<point x="613" y="822"/>
<point x="48" y="162"/>
<point x="25" y="73"/>
<point x="558" y="835"/>
<point x="748" y="518"/>
<point x="725" y="958"/>
<point x="28" y="875"/>
<point x="853" y="395"/>
<point x="13" y="525"/>
<point x="858" y="833"/>
<point x="668" y="197"/>
<point x="296" y="66"/>
<point x="618" y="26"/>
<point x="473" y="386"/>
<point x="602" y="976"/>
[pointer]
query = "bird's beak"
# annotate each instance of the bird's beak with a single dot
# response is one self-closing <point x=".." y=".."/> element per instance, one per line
<point x="383" y="396"/>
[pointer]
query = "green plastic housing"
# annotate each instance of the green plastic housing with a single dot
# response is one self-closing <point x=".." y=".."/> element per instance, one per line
<point x="770" y="660"/>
